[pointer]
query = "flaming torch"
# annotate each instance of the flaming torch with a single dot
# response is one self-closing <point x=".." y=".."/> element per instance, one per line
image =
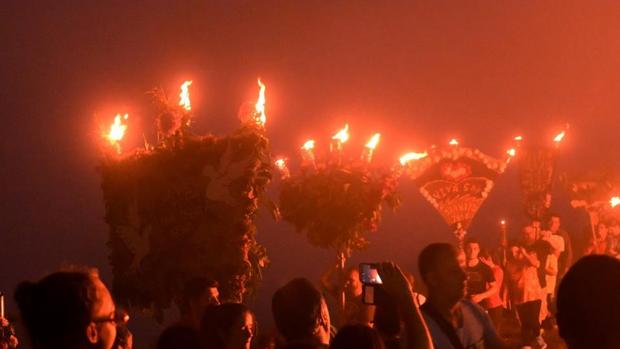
<point x="338" y="141"/>
<point x="184" y="101"/>
<point x="558" y="138"/>
<point x="413" y="156"/>
<point x="370" y="147"/>
<point x="281" y="165"/>
<point x="261" y="118"/>
<point x="307" y="153"/>
<point x="117" y="131"/>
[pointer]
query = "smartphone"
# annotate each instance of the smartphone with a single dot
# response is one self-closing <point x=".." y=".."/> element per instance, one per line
<point x="369" y="276"/>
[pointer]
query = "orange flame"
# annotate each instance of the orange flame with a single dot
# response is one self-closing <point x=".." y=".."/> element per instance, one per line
<point x="413" y="156"/>
<point x="343" y="135"/>
<point x="518" y="138"/>
<point x="184" y="101"/>
<point x="374" y="140"/>
<point x="117" y="129"/>
<point x="453" y="141"/>
<point x="309" y="145"/>
<point x="261" y="118"/>
<point x="615" y="201"/>
<point x="511" y="152"/>
<point x="558" y="138"/>
<point x="280" y="164"/>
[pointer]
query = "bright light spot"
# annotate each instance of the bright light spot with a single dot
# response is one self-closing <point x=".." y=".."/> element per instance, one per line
<point x="615" y="201"/>
<point x="374" y="140"/>
<point x="261" y="118"/>
<point x="343" y="135"/>
<point x="117" y="129"/>
<point x="309" y="145"/>
<point x="413" y="156"/>
<point x="184" y="96"/>
<point x="453" y="141"/>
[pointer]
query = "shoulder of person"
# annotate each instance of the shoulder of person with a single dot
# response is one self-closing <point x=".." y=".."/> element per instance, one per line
<point x="474" y="308"/>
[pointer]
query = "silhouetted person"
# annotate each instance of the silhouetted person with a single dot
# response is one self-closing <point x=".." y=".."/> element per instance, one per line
<point x="179" y="336"/>
<point x="357" y="336"/>
<point x="197" y="295"/>
<point x="454" y="321"/>
<point x="300" y="314"/>
<point x="68" y="310"/>
<point x="589" y="304"/>
<point x="228" y="326"/>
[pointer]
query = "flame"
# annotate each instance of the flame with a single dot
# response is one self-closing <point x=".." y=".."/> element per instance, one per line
<point x="453" y="141"/>
<point x="117" y="129"/>
<point x="184" y="101"/>
<point x="343" y="135"/>
<point x="615" y="201"/>
<point x="411" y="157"/>
<point x="518" y="138"/>
<point x="261" y="118"/>
<point x="558" y="138"/>
<point x="374" y="140"/>
<point x="309" y="145"/>
<point x="502" y="222"/>
<point x="280" y="164"/>
<point x="511" y="152"/>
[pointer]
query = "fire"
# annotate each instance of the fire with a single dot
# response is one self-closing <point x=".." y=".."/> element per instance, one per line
<point x="117" y="129"/>
<point x="261" y="118"/>
<point x="502" y="222"/>
<point x="343" y="135"/>
<point x="558" y="138"/>
<point x="615" y="201"/>
<point x="184" y="101"/>
<point x="518" y="138"/>
<point x="280" y="164"/>
<point x="374" y="140"/>
<point x="309" y="145"/>
<point x="412" y="157"/>
<point x="453" y="141"/>
<point x="511" y="152"/>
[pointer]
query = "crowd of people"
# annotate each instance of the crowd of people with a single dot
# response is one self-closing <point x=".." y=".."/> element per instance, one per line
<point x="472" y="292"/>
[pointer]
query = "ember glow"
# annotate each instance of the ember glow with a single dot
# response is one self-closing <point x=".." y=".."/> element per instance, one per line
<point x="374" y="140"/>
<point x="261" y="118"/>
<point x="413" y="156"/>
<point x="117" y="129"/>
<point x="343" y="135"/>
<point x="453" y="141"/>
<point x="184" y="101"/>
<point x="615" y="201"/>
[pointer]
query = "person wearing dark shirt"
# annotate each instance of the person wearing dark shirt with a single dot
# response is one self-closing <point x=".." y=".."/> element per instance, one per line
<point x="480" y="280"/>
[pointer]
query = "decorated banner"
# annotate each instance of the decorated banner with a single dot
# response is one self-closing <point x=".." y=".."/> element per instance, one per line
<point x="456" y="181"/>
<point x="185" y="208"/>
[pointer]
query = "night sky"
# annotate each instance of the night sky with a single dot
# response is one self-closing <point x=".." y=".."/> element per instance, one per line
<point x="419" y="72"/>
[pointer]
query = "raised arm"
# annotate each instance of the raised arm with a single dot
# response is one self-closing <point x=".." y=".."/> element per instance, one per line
<point x="397" y="287"/>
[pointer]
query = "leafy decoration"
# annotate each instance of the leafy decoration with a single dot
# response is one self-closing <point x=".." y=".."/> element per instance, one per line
<point x="185" y="208"/>
<point x="337" y="205"/>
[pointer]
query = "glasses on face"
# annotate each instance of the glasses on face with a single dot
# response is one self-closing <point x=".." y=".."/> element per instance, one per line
<point x="119" y="318"/>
